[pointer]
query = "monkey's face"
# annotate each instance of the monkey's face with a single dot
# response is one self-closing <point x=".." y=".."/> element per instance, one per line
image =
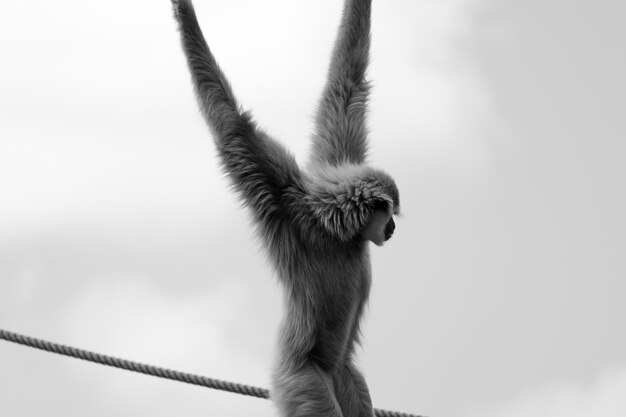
<point x="380" y="227"/>
<point x="389" y="229"/>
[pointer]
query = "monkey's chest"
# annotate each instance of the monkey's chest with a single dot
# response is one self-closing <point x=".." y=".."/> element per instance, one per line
<point x="339" y="288"/>
<point x="338" y="306"/>
<point x="329" y="283"/>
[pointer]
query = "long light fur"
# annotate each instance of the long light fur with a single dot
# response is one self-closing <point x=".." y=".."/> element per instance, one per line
<point x="311" y="220"/>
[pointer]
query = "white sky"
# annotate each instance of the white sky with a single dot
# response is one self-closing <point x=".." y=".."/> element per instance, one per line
<point x="502" y="293"/>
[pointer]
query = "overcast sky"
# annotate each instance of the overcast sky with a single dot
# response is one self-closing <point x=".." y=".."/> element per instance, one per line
<point x="502" y="293"/>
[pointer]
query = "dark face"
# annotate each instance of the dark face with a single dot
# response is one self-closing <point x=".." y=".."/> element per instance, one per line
<point x="389" y="228"/>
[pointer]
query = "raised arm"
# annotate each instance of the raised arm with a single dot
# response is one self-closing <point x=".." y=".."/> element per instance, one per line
<point x="340" y="126"/>
<point x="260" y="168"/>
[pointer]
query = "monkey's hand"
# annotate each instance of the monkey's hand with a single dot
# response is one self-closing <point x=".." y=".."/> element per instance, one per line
<point x="180" y="7"/>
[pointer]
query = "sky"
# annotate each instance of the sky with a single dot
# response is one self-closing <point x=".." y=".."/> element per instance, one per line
<point x="501" y="293"/>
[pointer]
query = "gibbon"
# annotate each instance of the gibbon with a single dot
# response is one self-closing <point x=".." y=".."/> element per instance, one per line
<point x="315" y="222"/>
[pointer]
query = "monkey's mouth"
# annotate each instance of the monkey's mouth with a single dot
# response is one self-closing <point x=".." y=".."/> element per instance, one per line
<point x="389" y="228"/>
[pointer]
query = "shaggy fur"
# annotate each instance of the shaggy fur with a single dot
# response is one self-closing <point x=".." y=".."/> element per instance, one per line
<point x="312" y="222"/>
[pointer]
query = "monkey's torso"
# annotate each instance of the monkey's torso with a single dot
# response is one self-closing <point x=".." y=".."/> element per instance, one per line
<point x="326" y="286"/>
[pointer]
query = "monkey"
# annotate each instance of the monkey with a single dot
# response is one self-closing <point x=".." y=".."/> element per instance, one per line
<point x="315" y="222"/>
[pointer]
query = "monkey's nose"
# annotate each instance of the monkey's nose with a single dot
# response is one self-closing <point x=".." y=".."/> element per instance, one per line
<point x="391" y="226"/>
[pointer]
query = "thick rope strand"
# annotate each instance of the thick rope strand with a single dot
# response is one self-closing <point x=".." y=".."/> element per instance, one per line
<point x="133" y="366"/>
<point x="153" y="370"/>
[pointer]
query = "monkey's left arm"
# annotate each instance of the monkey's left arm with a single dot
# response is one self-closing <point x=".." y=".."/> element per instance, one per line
<point x="260" y="168"/>
<point x="340" y="129"/>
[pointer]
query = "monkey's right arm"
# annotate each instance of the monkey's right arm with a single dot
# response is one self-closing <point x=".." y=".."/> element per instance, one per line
<point x="340" y="125"/>
<point x="261" y="169"/>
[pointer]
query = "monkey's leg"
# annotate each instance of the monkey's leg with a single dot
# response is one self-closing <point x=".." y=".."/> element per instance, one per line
<point x="352" y="393"/>
<point x="306" y="392"/>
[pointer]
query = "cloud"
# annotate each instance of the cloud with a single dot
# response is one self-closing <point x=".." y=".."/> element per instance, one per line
<point x="130" y="318"/>
<point x="429" y="98"/>
<point x="603" y="397"/>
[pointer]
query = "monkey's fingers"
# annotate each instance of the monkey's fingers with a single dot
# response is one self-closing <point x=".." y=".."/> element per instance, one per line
<point x="180" y="7"/>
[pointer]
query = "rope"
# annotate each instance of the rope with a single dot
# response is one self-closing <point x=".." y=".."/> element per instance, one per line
<point x="133" y="366"/>
<point x="153" y="370"/>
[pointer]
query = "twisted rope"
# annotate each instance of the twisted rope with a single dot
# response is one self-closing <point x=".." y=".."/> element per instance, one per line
<point x="152" y="370"/>
<point x="133" y="366"/>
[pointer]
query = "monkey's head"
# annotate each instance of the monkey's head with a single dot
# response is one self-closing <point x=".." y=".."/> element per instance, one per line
<point x="355" y="202"/>
<point x="381" y="201"/>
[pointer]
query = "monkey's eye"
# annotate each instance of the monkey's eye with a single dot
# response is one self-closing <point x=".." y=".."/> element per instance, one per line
<point x="380" y="205"/>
